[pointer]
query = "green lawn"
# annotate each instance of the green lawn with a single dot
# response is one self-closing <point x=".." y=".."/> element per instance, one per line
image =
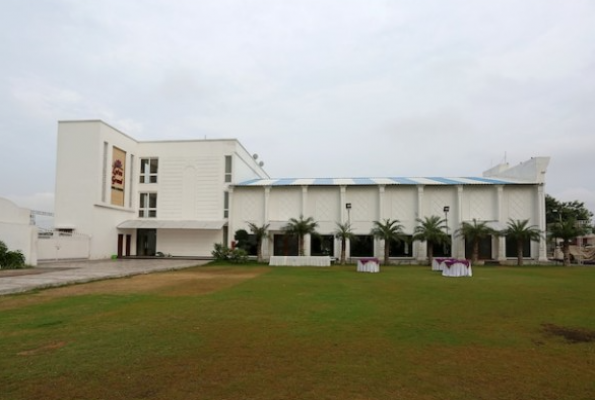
<point x="307" y="333"/>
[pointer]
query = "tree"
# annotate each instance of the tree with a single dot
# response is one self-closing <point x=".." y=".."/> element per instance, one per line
<point x="344" y="232"/>
<point x="300" y="228"/>
<point x="473" y="232"/>
<point x="261" y="233"/>
<point x="520" y="232"/>
<point x="389" y="231"/>
<point x="567" y="230"/>
<point x="10" y="259"/>
<point x="432" y="230"/>
<point x="556" y="211"/>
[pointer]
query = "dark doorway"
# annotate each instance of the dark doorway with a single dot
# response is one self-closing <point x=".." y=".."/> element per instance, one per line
<point x="323" y="245"/>
<point x="146" y="242"/>
<point x="511" y="250"/>
<point x="402" y="248"/>
<point x="285" y="245"/>
<point x="362" y="246"/>
<point x="442" y="250"/>
<point x="485" y="248"/>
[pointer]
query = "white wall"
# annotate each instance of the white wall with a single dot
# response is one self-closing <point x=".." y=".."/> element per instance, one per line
<point x="17" y="232"/>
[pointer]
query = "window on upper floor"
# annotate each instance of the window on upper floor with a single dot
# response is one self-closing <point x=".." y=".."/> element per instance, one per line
<point x="228" y="168"/>
<point x="148" y="170"/>
<point x="148" y="205"/>
<point x="225" y="204"/>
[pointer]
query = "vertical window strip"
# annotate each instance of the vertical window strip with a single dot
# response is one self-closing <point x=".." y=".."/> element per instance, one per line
<point x="131" y="180"/>
<point x="228" y="168"/>
<point x="225" y="204"/>
<point x="104" y="174"/>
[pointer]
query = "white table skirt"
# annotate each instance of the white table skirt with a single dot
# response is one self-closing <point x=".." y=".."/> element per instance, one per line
<point x="368" y="266"/>
<point x="300" y="261"/>
<point x="457" y="269"/>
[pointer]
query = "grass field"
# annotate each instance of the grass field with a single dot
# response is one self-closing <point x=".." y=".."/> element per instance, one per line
<point x="230" y="332"/>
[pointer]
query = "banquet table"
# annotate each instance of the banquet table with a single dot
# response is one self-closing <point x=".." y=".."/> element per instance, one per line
<point x="438" y="263"/>
<point x="300" y="261"/>
<point x="368" y="265"/>
<point x="456" y="268"/>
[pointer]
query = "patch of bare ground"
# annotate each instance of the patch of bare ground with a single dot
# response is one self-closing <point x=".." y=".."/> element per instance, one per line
<point x="572" y="335"/>
<point x="43" y="349"/>
<point x="191" y="282"/>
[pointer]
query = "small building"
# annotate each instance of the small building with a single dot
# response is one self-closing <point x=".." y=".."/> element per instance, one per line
<point x="180" y="198"/>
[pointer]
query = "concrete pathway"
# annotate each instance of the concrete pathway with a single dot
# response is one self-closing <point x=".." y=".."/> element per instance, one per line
<point x="52" y="274"/>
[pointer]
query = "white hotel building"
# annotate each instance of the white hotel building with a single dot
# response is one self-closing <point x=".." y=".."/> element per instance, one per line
<point x="180" y="198"/>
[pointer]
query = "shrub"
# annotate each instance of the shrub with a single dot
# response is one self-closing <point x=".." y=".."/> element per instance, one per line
<point x="11" y="259"/>
<point x="224" y="253"/>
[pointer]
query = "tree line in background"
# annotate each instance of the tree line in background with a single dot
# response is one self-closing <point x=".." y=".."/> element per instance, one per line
<point x="565" y="221"/>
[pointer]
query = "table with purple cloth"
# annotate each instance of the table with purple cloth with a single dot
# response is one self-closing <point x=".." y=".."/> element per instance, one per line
<point x="371" y="264"/>
<point x="438" y="263"/>
<point x="455" y="268"/>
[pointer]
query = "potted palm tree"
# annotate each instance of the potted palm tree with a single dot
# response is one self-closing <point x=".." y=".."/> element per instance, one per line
<point x="389" y="231"/>
<point x="300" y="228"/>
<point x="431" y="230"/>
<point x="344" y="233"/>
<point x="473" y="232"/>
<point x="520" y="232"/>
<point x="261" y="233"/>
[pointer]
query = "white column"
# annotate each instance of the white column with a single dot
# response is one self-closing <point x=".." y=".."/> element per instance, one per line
<point x="420" y="251"/>
<point x="458" y="244"/>
<point x="267" y="242"/>
<point x="230" y="219"/>
<point x="307" y="238"/>
<point x="499" y="217"/>
<point x="540" y="207"/>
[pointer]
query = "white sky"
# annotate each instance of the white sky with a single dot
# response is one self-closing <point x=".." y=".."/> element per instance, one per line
<point x="317" y="88"/>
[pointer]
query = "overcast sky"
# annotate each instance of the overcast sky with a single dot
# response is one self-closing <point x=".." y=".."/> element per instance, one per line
<point x="333" y="88"/>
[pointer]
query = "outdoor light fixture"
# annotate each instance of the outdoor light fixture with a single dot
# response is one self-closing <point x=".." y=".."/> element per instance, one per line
<point x="348" y="206"/>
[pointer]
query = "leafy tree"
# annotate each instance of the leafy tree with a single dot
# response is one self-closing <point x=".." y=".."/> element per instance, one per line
<point x="556" y="211"/>
<point x="520" y="232"/>
<point x="389" y="231"/>
<point x="261" y="233"/>
<point x="242" y="238"/>
<point x="300" y="228"/>
<point x="432" y="230"/>
<point x="473" y="232"/>
<point x="567" y="230"/>
<point x="344" y="232"/>
<point x="10" y="259"/>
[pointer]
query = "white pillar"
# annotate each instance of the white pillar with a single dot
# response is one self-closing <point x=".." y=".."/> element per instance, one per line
<point x="458" y="244"/>
<point x="267" y="243"/>
<point x="420" y="251"/>
<point x="540" y="207"/>
<point x="499" y="217"/>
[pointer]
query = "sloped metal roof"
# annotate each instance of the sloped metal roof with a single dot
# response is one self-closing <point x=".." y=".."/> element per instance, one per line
<point x="382" y="181"/>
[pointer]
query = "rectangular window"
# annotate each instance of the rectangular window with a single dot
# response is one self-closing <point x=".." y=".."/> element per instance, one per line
<point x="148" y="205"/>
<point x="148" y="170"/>
<point x="227" y="168"/>
<point x="225" y="204"/>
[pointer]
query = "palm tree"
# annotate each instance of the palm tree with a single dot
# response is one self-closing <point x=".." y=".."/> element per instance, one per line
<point x="260" y="232"/>
<point x="432" y="230"/>
<point x="473" y="232"/>
<point x="300" y="228"/>
<point x="566" y="230"/>
<point x="344" y="233"/>
<point x="521" y="231"/>
<point x="389" y="231"/>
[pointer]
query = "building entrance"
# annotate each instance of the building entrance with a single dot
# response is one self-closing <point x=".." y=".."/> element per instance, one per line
<point x="146" y="242"/>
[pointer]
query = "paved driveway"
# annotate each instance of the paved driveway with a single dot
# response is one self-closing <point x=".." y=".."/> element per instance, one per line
<point x="61" y="273"/>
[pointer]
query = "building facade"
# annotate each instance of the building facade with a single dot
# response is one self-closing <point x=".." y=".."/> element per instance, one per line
<point x="180" y="198"/>
<point x="501" y="194"/>
<point x="145" y="197"/>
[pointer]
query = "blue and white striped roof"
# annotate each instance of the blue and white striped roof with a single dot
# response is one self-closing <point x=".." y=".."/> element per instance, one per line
<point x="380" y="181"/>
